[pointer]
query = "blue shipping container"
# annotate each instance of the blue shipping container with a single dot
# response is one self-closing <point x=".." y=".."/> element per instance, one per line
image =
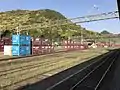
<point x="20" y="50"/>
<point x="21" y="39"/>
<point x="15" y="39"/>
<point x="28" y="40"/>
<point x="18" y="39"/>
<point x="28" y="50"/>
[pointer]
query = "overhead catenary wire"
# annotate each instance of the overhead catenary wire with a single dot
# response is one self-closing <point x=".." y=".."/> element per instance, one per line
<point x="83" y="19"/>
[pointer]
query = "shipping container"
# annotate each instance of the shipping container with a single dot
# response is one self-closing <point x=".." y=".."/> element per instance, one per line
<point x="1" y="42"/>
<point x="68" y="42"/>
<point x="72" y="43"/>
<point x="36" y="43"/>
<point x="36" y="39"/>
<point x="8" y="50"/>
<point x="36" y="50"/>
<point x="1" y="48"/>
<point x="21" y="40"/>
<point x="28" y="40"/>
<point x="28" y="50"/>
<point x="42" y="49"/>
<point x="45" y="43"/>
<point x="7" y="41"/>
<point x="65" y="43"/>
<point x="20" y="50"/>
<point x="17" y="39"/>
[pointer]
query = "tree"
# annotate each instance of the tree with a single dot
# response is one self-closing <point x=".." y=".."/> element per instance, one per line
<point x="105" y="32"/>
<point x="6" y="33"/>
<point x="42" y="18"/>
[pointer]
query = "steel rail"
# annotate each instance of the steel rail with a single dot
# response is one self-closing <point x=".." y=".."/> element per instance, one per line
<point x="41" y="74"/>
<point x="86" y="80"/>
<point x="67" y="80"/>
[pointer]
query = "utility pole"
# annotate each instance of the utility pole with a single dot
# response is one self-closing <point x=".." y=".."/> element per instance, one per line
<point x="0" y="33"/>
<point x="81" y="36"/>
<point x="109" y="41"/>
<point x="18" y="31"/>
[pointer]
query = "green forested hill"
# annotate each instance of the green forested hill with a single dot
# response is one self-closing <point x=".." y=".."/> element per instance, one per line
<point x="12" y="19"/>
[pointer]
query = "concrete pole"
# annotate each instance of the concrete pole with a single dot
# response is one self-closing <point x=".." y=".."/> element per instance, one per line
<point x="81" y="36"/>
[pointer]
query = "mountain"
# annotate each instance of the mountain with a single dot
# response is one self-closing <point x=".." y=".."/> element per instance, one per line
<point x="12" y="19"/>
<point x="105" y="32"/>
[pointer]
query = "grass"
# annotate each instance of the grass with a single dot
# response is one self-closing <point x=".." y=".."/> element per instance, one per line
<point x="48" y="65"/>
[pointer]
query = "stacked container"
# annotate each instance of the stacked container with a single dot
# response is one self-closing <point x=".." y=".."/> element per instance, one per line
<point x="72" y="45"/>
<point x="8" y="50"/>
<point x="68" y="45"/>
<point x="41" y="46"/>
<point x="7" y="41"/>
<point x="36" y="46"/>
<point x="45" y="46"/>
<point x="1" y="45"/>
<point x="21" y="45"/>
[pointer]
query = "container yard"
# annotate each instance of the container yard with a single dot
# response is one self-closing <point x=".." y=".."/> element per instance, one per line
<point x="25" y="59"/>
<point x="21" y="45"/>
<point x="47" y="45"/>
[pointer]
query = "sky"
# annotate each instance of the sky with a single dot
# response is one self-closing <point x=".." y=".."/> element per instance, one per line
<point x="71" y="9"/>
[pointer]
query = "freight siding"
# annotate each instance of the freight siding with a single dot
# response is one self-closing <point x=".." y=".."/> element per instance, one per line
<point x="92" y="76"/>
<point x="37" y="46"/>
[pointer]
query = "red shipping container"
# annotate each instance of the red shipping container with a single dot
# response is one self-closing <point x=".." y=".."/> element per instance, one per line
<point x="36" y="43"/>
<point x="1" y="48"/>
<point x="50" y="49"/>
<point x="46" y="43"/>
<point x="7" y="41"/>
<point x="65" y="47"/>
<point x="36" y="39"/>
<point x="36" y="50"/>
<point x="72" y="43"/>
<point x="65" y="42"/>
<point x="45" y="49"/>
<point x="1" y="42"/>
<point x="69" y="42"/>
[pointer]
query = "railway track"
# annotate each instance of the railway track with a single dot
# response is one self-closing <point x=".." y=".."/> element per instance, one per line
<point x="90" y="77"/>
<point x="18" y="59"/>
<point x="40" y="74"/>
<point x="33" y="62"/>
<point x="30" y="66"/>
<point x="26" y="70"/>
<point x="29" y="60"/>
<point x="26" y="67"/>
<point x="22" y="57"/>
<point x="37" y="68"/>
<point x="47" y="66"/>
